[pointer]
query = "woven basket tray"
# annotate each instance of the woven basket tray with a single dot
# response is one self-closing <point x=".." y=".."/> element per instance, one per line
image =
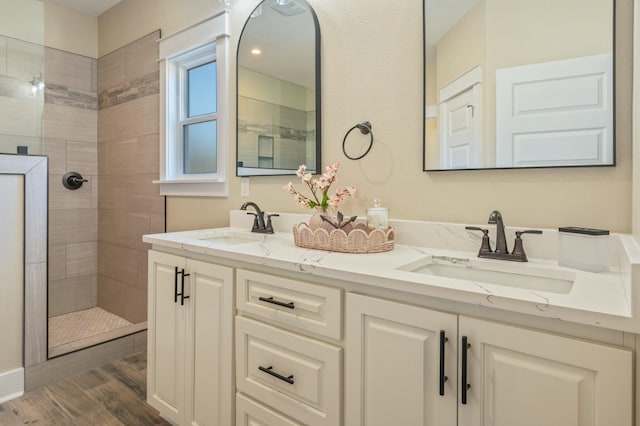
<point x="357" y="240"/>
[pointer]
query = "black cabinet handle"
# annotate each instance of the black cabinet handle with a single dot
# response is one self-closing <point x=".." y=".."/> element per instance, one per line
<point x="465" y="385"/>
<point x="182" y="296"/>
<point x="175" y="287"/>
<point x="269" y="370"/>
<point x="443" y="378"/>
<point x="271" y="300"/>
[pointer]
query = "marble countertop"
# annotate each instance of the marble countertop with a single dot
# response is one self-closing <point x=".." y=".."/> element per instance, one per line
<point x="599" y="299"/>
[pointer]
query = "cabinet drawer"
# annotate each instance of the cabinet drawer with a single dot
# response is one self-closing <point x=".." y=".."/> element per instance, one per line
<point x="251" y="413"/>
<point x="298" y="304"/>
<point x="294" y="374"/>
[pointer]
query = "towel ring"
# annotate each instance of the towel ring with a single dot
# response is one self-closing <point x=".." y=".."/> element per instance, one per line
<point x="365" y="129"/>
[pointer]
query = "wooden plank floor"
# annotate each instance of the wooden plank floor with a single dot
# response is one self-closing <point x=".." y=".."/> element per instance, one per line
<point x="112" y="395"/>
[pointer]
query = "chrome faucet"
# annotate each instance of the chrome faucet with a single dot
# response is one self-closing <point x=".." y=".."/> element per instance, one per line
<point x="501" y="252"/>
<point x="258" y="221"/>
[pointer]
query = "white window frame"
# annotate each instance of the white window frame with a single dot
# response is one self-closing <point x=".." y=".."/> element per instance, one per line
<point x="196" y="45"/>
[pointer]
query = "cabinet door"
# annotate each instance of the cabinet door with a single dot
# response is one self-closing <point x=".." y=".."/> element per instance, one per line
<point x="209" y="386"/>
<point x="393" y="364"/>
<point x="530" y="378"/>
<point x="166" y="338"/>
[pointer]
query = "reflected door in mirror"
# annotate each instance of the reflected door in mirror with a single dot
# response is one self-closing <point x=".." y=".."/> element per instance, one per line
<point x="516" y="83"/>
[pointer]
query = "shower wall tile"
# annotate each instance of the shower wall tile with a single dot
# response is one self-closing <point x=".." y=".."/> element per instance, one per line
<point x="70" y="123"/>
<point x="112" y="296"/>
<point x="82" y="259"/>
<point x="137" y="118"/>
<point x="124" y="229"/>
<point x="128" y="160"/>
<point x="82" y="157"/>
<point x="56" y="149"/>
<point x="141" y="57"/>
<point x="68" y="226"/>
<point x="63" y="198"/>
<point x="71" y="294"/>
<point x="106" y="124"/>
<point x="57" y="262"/>
<point x="111" y="70"/>
<point x="118" y="263"/>
<point x="68" y="70"/>
<point x="70" y="130"/>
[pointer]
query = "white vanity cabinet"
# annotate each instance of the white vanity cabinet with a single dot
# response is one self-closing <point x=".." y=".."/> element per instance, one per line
<point x="190" y="340"/>
<point x="515" y="376"/>
<point x="279" y="369"/>
<point x="530" y="378"/>
<point x="393" y="369"/>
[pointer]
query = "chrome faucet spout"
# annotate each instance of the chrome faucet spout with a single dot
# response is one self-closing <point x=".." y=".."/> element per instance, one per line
<point x="495" y="218"/>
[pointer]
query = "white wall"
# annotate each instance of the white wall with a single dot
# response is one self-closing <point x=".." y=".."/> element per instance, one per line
<point x="12" y="282"/>
<point x="372" y="70"/>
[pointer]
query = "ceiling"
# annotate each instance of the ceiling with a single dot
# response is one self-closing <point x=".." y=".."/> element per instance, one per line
<point x="91" y="7"/>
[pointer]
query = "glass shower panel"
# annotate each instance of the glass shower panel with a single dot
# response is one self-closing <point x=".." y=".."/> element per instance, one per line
<point x="21" y="76"/>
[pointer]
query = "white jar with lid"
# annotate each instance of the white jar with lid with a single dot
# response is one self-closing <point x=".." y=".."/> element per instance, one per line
<point x="377" y="216"/>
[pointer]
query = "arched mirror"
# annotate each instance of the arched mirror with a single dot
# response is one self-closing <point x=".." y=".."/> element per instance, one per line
<point x="518" y="83"/>
<point x="278" y="90"/>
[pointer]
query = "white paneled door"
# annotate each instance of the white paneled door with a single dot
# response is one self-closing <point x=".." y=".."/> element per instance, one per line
<point x="555" y="113"/>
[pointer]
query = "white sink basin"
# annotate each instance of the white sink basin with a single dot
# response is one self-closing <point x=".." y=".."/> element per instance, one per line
<point x="512" y="275"/>
<point x="233" y="237"/>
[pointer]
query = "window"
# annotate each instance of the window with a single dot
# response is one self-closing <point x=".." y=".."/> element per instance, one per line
<point x="194" y="133"/>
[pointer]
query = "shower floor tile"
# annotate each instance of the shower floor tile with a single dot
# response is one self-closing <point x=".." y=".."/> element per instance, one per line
<point x="83" y="326"/>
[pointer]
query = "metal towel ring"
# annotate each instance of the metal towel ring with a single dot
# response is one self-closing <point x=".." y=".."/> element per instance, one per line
<point x="365" y="129"/>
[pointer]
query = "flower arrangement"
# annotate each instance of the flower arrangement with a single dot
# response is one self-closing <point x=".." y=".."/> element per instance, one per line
<point x="319" y="188"/>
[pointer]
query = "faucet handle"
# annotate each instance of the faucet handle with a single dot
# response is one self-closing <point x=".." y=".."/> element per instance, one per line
<point x="518" y="247"/>
<point x="528" y="231"/>
<point x="486" y="245"/>
<point x="269" y="227"/>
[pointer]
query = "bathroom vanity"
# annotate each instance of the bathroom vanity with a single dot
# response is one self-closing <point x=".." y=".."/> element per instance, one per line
<point x="248" y="329"/>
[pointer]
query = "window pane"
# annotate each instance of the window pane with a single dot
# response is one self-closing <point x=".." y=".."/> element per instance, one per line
<point x="202" y="96"/>
<point x="200" y="148"/>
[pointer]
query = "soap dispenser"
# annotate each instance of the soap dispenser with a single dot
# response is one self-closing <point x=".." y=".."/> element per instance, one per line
<point x="377" y="216"/>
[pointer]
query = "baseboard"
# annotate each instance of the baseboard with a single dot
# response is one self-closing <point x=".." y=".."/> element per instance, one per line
<point x="11" y="384"/>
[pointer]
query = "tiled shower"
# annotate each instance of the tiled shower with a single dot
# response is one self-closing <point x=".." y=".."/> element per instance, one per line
<point x="98" y="118"/>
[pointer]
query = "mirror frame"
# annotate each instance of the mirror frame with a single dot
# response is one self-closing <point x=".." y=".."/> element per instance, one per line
<point x="424" y="105"/>
<point x="314" y="168"/>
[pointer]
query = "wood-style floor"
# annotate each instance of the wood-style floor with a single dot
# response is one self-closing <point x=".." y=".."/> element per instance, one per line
<point x="112" y="395"/>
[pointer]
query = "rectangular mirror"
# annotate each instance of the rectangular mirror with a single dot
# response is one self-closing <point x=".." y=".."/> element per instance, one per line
<point x="278" y="79"/>
<point x="518" y="83"/>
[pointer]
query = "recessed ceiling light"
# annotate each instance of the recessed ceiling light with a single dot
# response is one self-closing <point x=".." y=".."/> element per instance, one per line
<point x="256" y="51"/>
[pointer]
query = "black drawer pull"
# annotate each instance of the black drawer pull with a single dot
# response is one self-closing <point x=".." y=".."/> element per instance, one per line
<point x="271" y="300"/>
<point x="269" y="370"/>
<point x="443" y="377"/>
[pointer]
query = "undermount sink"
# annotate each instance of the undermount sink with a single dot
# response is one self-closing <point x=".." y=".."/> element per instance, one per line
<point x="233" y="237"/>
<point x="510" y="275"/>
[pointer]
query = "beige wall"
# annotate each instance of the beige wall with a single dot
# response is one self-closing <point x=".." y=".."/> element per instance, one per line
<point x="376" y="75"/>
<point x="22" y="20"/>
<point x="12" y="266"/>
<point x="70" y="30"/>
